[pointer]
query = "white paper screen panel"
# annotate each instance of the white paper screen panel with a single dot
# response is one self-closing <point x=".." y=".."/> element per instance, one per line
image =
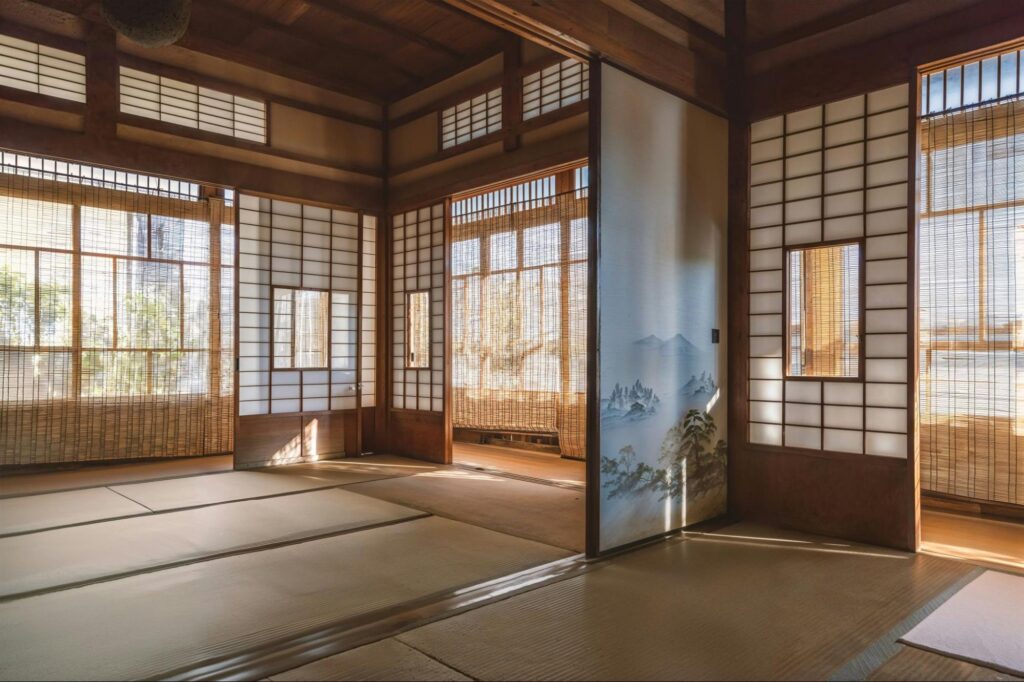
<point x="471" y="119"/>
<point x="185" y="104"/>
<point x="834" y="172"/>
<point x="554" y="87"/>
<point x="289" y="244"/>
<point x="417" y="246"/>
<point x="32" y="67"/>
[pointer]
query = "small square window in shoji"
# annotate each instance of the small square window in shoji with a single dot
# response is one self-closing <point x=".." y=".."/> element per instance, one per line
<point x="313" y="251"/>
<point x="185" y="104"/>
<point x="471" y="119"/>
<point x="831" y="173"/>
<point x="37" y="68"/>
<point x="554" y="87"/>
<point x="418" y="266"/>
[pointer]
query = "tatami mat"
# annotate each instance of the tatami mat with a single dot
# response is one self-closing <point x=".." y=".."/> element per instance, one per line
<point x="154" y="624"/>
<point x="529" y="510"/>
<point x="97" y="475"/>
<point x="195" y="491"/>
<point x="703" y="608"/>
<point x="54" y="558"/>
<point x="388" y="659"/>
<point x="51" y="510"/>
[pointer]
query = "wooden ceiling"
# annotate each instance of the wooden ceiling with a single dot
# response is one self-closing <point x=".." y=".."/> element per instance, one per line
<point x="377" y="49"/>
<point x="383" y="50"/>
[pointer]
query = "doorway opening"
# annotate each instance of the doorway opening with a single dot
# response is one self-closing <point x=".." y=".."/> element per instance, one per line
<point x="971" y="306"/>
<point x="518" y="255"/>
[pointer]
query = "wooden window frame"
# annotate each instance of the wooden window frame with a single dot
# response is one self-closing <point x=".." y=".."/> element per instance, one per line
<point x="408" y="330"/>
<point x="787" y="374"/>
<point x="273" y="316"/>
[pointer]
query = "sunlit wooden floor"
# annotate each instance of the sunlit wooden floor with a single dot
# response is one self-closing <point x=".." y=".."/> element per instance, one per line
<point x="991" y="542"/>
<point x="527" y="463"/>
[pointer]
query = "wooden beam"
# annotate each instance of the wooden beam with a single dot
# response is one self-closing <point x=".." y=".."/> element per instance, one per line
<point x="214" y="45"/>
<point x="680" y="20"/>
<point x="881" y="62"/>
<point x="346" y="11"/>
<point x="738" y="253"/>
<point x="445" y="73"/>
<point x="31" y="138"/>
<point x="334" y="51"/>
<point x="849" y="15"/>
<point x="101" y="78"/>
<point x="618" y="38"/>
<point x="511" y="93"/>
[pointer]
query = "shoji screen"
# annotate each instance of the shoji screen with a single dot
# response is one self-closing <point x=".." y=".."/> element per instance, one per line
<point x="832" y="174"/>
<point x="417" y="415"/>
<point x="661" y="271"/>
<point x="298" y="262"/>
<point x="417" y="247"/>
<point x="116" y="325"/>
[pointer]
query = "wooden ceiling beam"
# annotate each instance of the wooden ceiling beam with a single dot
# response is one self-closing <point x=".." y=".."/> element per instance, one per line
<point x="446" y="73"/>
<point x="336" y="51"/>
<point x="676" y="18"/>
<point x="883" y="61"/>
<point x="854" y="13"/>
<point x="349" y="13"/>
<point x="623" y="41"/>
<point x="198" y="41"/>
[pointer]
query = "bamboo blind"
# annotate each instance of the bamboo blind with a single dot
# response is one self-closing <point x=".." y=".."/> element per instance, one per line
<point x="116" y="315"/>
<point x="519" y="310"/>
<point x="971" y="353"/>
<point x="824" y="311"/>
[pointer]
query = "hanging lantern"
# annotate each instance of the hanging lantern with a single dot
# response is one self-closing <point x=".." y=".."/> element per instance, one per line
<point x="150" y="23"/>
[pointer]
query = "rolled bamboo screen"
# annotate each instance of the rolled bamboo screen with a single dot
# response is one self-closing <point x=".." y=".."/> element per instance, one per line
<point x="519" y="310"/>
<point x="971" y="352"/>
<point x="116" y="315"/>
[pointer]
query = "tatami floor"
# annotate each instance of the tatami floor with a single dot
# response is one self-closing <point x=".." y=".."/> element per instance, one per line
<point x="130" y="578"/>
<point x="150" y="571"/>
<point x="742" y="603"/>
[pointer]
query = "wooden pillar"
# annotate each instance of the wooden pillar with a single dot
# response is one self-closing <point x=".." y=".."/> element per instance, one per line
<point x="512" y="93"/>
<point x="738" y="247"/>
<point x="101" y="78"/>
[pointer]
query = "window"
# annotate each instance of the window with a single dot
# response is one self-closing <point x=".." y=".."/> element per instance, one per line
<point x="824" y="311"/>
<point x="173" y="101"/>
<point x="417" y="330"/>
<point x="300" y="329"/>
<point x="554" y="87"/>
<point x="41" y="69"/>
<point x="471" y="119"/>
<point x="112" y="302"/>
<point x="993" y="77"/>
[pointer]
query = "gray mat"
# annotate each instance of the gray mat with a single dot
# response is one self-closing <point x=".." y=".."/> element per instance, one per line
<point x="54" y="558"/>
<point x="535" y="511"/>
<point x="385" y="660"/>
<point x="154" y="624"/>
<point x="51" y="510"/>
<point x="982" y="623"/>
